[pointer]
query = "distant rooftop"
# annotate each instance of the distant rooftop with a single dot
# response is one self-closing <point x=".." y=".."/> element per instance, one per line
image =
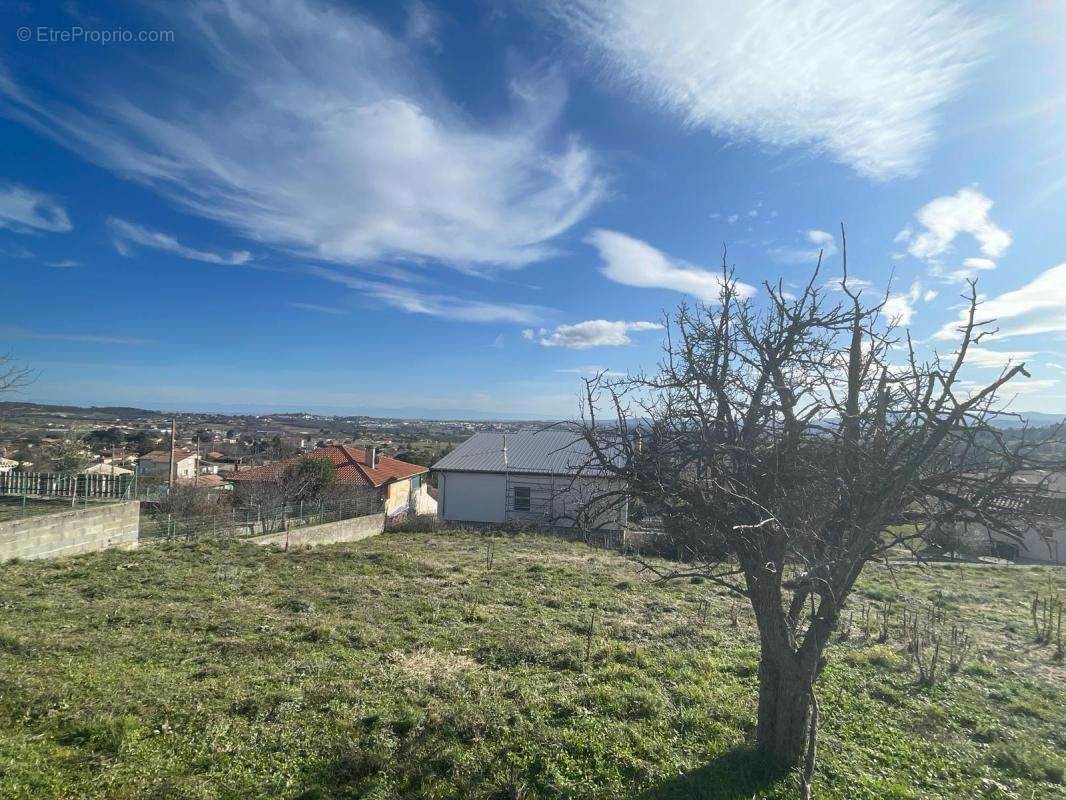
<point x="350" y="464"/>
<point x="548" y="452"/>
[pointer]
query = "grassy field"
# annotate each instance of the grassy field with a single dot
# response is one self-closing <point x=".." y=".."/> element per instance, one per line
<point x="409" y="665"/>
<point x="18" y="507"/>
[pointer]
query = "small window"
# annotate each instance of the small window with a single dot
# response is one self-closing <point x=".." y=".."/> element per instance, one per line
<point x="521" y="498"/>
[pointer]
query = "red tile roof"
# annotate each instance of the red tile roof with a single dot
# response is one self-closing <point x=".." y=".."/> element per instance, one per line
<point x="350" y="464"/>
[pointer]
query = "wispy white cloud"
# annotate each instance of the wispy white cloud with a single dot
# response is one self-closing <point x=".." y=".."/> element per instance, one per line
<point x="85" y="338"/>
<point x="14" y="250"/>
<point x="124" y="233"/>
<point x="818" y="242"/>
<point x="25" y="210"/>
<point x="1037" y="307"/>
<point x="317" y="308"/>
<point x="423" y="25"/>
<point x="417" y="300"/>
<point x="636" y="263"/>
<point x="65" y="263"/>
<point x="836" y="283"/>
<point x="860" y="82"/>
<point x="594" y="333"/>
<point x="900" y="308"/>
<point x="970" y="269"/>
<point x="590" y="370"/>
<point x="328" y="136"/>
<point x="984" y="358"/>
<point x="941" y="221"/>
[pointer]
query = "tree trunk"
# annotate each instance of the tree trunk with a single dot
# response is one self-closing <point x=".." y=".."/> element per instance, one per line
<point x="784" y="706"/>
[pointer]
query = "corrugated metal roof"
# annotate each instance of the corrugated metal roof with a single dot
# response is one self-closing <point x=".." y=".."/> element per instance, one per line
<point x="549" y="451"/>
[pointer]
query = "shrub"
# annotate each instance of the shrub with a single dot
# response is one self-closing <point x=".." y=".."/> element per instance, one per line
<point x="979" y="670"/>
<point x="9" y="641"/>
<point x="422" y="523"/>
<point x="1027" y="761"/>
<point x="878" y="656"/>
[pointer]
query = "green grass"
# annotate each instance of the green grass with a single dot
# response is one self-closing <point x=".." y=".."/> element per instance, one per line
<point x="402" y="666"/>
<point x="14" y="507"/>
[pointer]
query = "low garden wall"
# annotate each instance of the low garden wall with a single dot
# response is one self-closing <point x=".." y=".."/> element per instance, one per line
<point x="66" y="533"/>
<point x="346" y="530"/>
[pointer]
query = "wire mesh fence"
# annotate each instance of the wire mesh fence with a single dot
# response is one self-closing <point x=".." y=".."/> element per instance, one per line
<point x="253" y="520"/>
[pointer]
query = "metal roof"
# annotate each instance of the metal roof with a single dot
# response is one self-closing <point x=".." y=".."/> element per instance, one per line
<point x="551" y="452"/>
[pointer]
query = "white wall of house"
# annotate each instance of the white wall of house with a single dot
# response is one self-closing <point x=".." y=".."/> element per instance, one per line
<point x="1045" y="544"/>
<point x="183" y="467"/>
<point x="490" y="497"/>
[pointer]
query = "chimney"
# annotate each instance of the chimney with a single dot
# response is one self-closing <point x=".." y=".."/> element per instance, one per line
<point x="372" y="456"/>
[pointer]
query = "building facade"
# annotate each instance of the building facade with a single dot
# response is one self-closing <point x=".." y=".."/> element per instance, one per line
<point x="542" y="479"/>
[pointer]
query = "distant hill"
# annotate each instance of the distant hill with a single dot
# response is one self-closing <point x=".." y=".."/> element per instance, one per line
<point x="1037" y="419"/>
<point x="109" y="412"/>
<point x="13" y="409"/>
<point x="10" y="409"/>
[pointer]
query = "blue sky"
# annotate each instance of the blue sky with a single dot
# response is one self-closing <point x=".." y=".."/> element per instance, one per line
<point x="457" y="208"/>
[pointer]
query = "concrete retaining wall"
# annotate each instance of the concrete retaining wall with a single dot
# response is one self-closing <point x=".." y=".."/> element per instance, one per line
<point x="345" y="530"/>
<point x="68" y="533"/>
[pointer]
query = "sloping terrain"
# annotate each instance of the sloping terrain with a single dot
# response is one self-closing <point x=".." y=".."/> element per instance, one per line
<point x="457" y="666"/>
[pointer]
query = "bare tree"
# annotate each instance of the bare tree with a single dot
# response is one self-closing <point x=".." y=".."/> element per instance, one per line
<point x="186" y="500"/>
<point x="12" y="376"/>
<point x="788" y="443"/>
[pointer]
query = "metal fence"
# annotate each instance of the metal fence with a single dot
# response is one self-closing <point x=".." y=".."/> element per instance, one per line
<point x="244" y="521"/>
<point x="58" y="484"/>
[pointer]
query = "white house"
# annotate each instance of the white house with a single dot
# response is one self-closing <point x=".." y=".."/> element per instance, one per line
<point x="156" y="464"/>
<point x="541" y="478"/>
<point x="1044" y="542"/>
<point x="7" y="465"/>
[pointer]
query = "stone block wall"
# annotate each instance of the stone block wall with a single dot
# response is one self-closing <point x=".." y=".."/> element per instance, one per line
<point x="67" y="533"/>
<point x="345" y="530"/>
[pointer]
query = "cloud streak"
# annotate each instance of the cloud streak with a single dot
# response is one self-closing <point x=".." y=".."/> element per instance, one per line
<point x="818" y="242"/>
<point x="415" y="300"/>
<point x="325" y="135"/>
<point x="26" y="210"/>
<point x="22" y="333"/>
<point x="314" y="307"/>
<point x="861" y="83"/>
<point x="1038" y="307"/>
<point x="594" y="333"/>
<point x="633" y="262"/>
<point x="983" y="358"/>
<point x="124" y="233"/>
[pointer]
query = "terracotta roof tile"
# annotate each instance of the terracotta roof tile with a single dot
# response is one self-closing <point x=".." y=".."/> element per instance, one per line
<point x="349" y="463"/>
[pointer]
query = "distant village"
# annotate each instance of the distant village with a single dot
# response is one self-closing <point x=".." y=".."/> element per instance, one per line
<point x="208" y="448"/>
